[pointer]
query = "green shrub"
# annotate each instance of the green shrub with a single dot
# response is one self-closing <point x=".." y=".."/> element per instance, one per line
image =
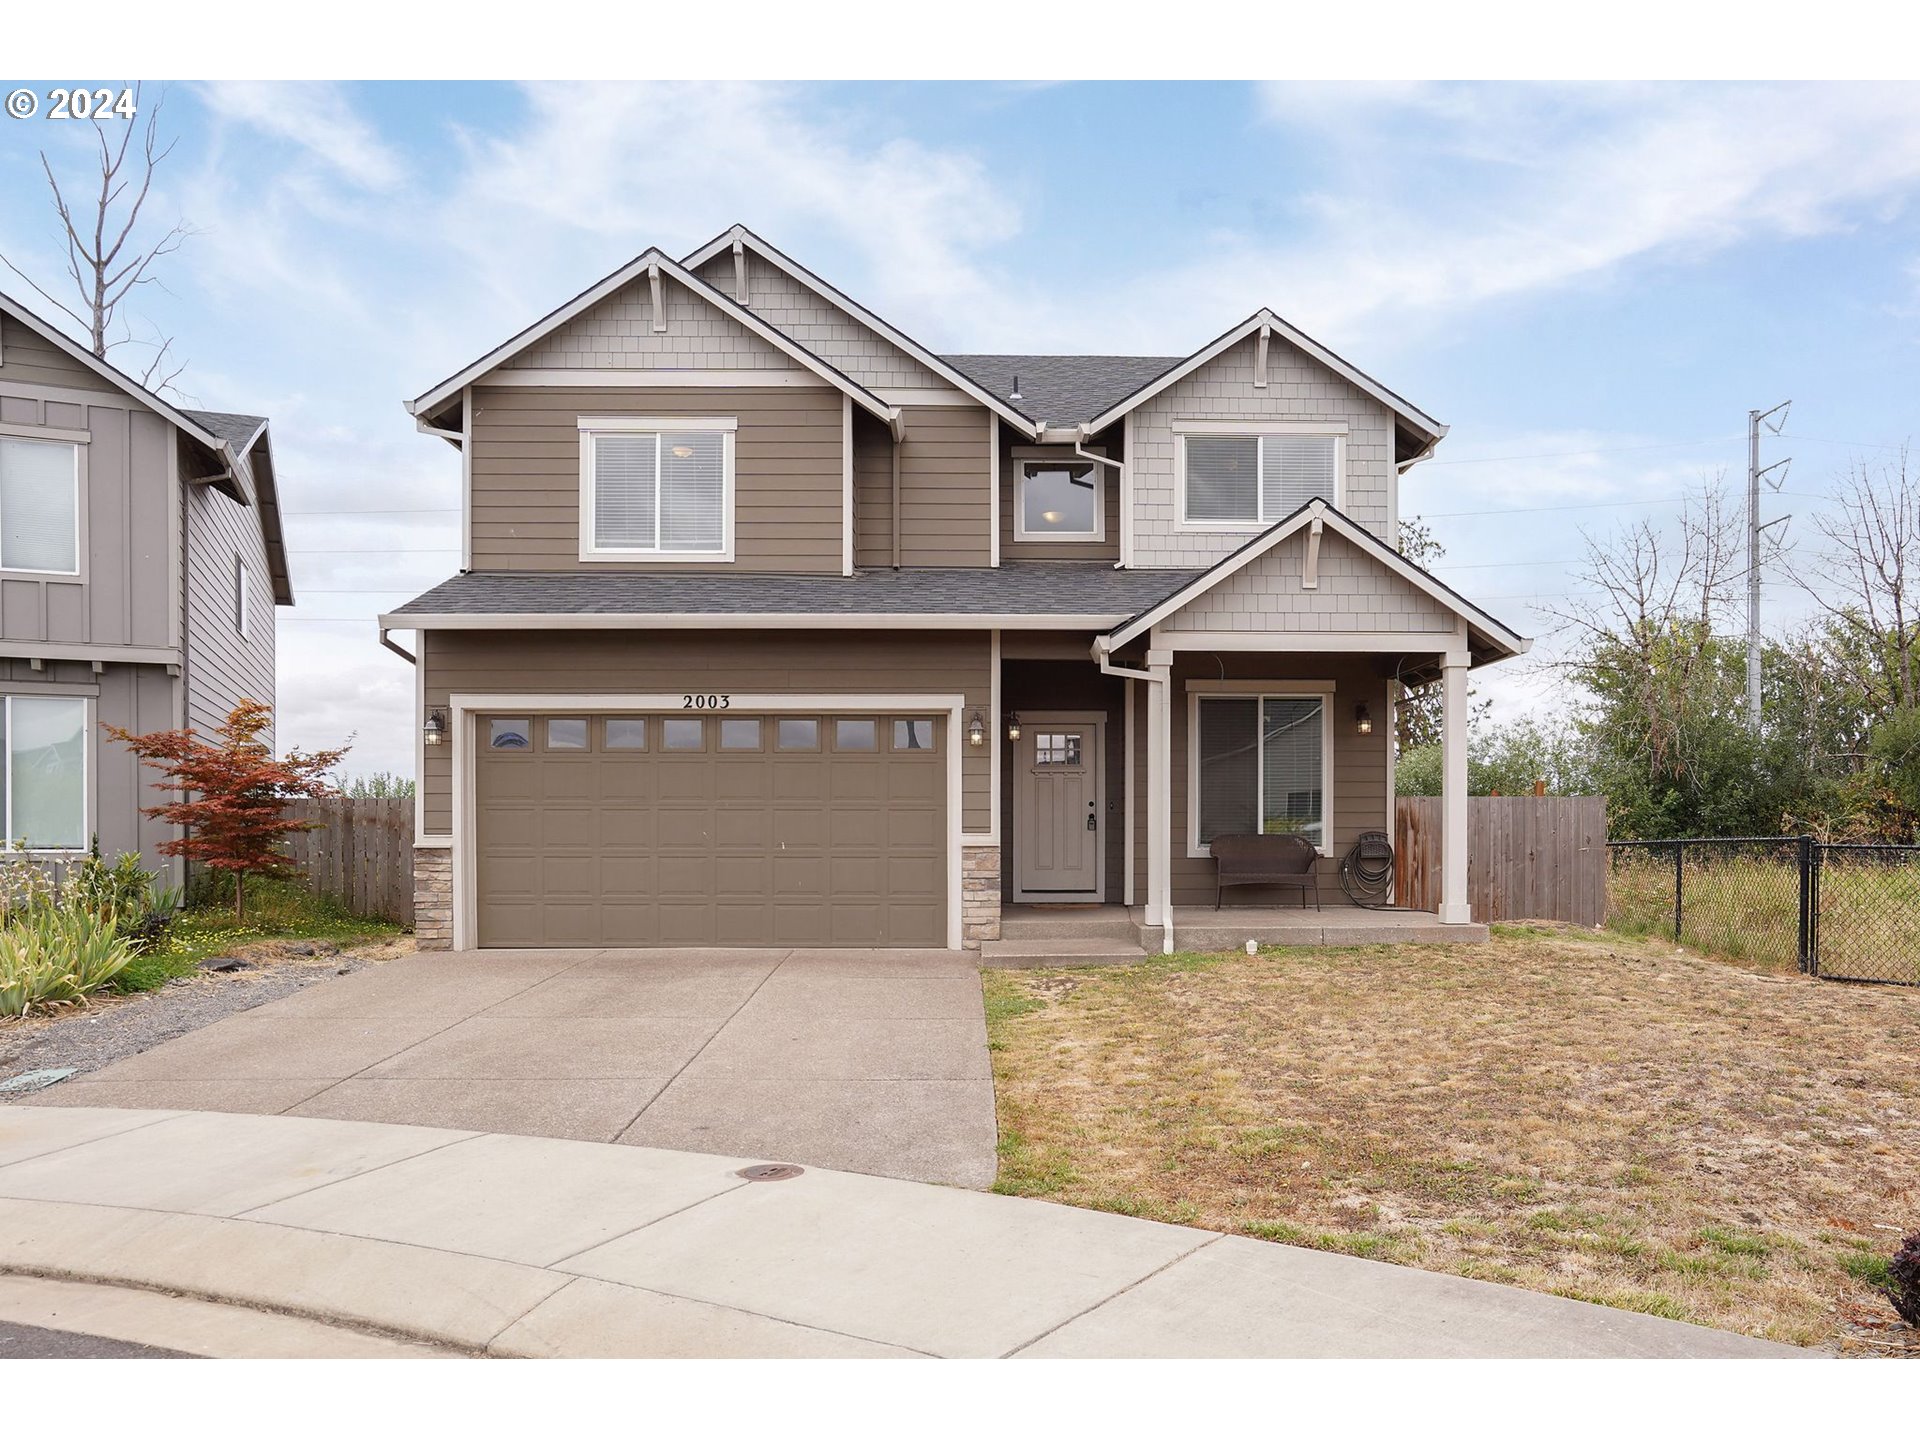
<point x="52" y="955"/>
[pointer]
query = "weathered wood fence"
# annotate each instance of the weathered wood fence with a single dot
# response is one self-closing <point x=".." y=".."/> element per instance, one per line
<point x="360" y="852"/>
<point x="1529" y="857"/>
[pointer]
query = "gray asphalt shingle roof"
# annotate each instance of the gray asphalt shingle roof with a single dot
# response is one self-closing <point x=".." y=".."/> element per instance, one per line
<point x="236" y="430"/>
<point x="1031" y="588"/>
<point x="1063" y="389"/>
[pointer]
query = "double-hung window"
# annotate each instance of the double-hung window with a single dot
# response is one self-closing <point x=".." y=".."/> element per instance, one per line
<point x="44" y="777"/>
<point x="656" y="489"/>
<point x="1262" y="765"/>
<point x="1255" y="478"/>
<point x="39" y="506"/>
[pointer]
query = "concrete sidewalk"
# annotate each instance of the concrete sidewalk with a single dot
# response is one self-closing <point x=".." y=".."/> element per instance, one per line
<point x="511" y="1245"/>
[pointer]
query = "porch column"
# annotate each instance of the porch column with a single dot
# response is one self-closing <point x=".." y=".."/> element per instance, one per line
<point x="1453" y="790"/>
<point x="1160" y="796"/>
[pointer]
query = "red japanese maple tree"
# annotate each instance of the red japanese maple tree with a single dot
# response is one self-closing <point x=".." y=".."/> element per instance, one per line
<point x="233" y="793"/>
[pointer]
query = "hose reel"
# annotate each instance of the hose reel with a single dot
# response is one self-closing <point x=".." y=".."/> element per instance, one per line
<point x="1366" y="871"/>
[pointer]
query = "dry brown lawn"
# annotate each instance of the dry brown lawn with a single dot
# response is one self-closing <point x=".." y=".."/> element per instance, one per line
<point x="1604" y="1118"/>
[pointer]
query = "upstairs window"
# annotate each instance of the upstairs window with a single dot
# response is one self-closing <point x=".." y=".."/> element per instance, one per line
<point x="1255" y="479"/>
<point x="1059" y="500"/>
<point x="664" y="492"/>
<point x="40" y="506"/>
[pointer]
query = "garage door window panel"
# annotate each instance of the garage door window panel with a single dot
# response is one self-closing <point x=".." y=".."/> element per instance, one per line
<point x="509" y="734"/>
<point x="566" y="734"/>
<point x="798" y="734"/>
<point x="739" y="734"/>
<point x="913" y="735"/>
<point x="626" y="734"/>
<point x="856" y="735"/>
<point x="682" y="734"/>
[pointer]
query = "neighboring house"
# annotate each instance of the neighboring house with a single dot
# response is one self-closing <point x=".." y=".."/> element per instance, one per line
<point x="775" y="628"/>
<point x="140" y="563"/>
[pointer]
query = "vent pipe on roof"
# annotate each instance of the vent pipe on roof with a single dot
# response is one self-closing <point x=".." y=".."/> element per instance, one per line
<point x="1016" y="395"/>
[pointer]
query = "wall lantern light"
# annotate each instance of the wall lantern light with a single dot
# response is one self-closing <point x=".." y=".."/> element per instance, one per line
<point x="976" y="728"/>
<point x="435" y="729"/>
<point x="1363" y="719"/>
<point x="1013" y="726"/>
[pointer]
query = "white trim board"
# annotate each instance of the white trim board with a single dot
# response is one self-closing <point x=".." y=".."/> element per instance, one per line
<point x="746" y="620"/>
<point x="633" y="270"/>
<point x="906" y="344"/>
<point x="542" y="378"/>
<point x="462" y="707"/>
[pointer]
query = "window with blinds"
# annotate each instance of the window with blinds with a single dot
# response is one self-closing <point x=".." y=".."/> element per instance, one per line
<point x="1262" y="761"/>
<point x="660" y="491"/>
<point x="1256" y="479"/>
<point x="40" y="506"/>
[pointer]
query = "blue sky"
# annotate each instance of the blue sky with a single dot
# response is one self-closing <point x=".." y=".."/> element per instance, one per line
<point x="1590" y="284"/>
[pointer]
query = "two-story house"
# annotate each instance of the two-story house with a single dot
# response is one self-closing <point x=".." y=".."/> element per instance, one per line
<point x="140" y="563"/>
<point x="775" y="628"/>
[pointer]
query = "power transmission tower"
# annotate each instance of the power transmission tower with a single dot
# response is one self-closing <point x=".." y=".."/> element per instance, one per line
<point x="1755" y="530"/>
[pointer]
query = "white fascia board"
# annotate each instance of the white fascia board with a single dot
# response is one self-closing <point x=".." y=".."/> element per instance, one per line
<point x="799" y="273"/>
<point x="1419" y="419"/>
<point x="747" y="620"/>
<point x="1341" y="525"/>
<point x="126" y="383"/>
<point x="631" y="271"/>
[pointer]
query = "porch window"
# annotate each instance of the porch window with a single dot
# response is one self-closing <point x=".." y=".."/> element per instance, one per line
<point x="44" y="778"/>
<point x="661" y="492"/>
<point x="1255" y="479"/>
<point x="1262" y="766"/>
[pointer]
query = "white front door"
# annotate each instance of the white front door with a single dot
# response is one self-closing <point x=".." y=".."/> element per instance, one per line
<point x="1058" y="820"/>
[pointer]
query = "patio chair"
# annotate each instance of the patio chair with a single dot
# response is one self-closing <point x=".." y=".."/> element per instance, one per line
<point x="1285" y="860"/>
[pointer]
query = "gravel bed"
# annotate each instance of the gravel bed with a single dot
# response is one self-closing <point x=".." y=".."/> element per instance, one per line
<point x="112" y="1027"/>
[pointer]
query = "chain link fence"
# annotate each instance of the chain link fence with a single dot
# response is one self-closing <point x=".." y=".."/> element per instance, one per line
<point x="1842" y="912"/>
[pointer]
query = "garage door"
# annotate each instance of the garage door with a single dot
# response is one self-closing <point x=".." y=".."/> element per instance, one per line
<point x="710" y="830"/>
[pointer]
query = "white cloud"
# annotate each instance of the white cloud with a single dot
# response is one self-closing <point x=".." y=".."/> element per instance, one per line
<point x="316" y="117"/>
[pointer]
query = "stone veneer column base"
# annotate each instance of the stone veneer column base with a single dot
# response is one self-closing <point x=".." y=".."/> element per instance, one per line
<point x="979" y="894"/>
<point x="432" y="897"/>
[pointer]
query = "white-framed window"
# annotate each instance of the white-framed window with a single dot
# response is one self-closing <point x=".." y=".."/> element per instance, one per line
<point x="1235" y="477"/>
<point x="44" y="773"/>
<point x="1260" y="762"/>
<point x="39" y="506"/>
<point x="1058" y="497"/>
<point x="241" y="595"/>
<point x="654" y="488"/>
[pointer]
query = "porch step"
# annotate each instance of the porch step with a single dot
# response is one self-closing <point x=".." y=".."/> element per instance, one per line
<point x="1047" y="953"/>
<point x="1093" y="922"/>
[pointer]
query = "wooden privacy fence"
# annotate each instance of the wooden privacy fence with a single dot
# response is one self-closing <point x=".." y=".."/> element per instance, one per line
<point x="1529" y="857"/>
<point x="360" y="852"/>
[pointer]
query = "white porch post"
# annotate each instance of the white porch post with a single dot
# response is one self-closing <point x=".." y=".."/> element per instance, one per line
<point x="1160" y="796"/>
<point x="1454" y="909"/>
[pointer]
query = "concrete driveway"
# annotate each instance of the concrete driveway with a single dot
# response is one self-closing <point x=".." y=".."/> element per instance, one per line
<point x="869" y="1061"/>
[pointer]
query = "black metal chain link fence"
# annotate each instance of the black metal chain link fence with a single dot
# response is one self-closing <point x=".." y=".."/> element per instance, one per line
<point x="1842" y="912"/>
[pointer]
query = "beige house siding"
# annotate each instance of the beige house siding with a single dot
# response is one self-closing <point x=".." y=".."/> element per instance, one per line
<point x="946" y="489"/>
<point x="27" y="359"/>
<point x="788" y="483"/>
<point x="707" y="661"/>
<point x="225" y="667"/>
<point x="1298" y="389"/>
<point x="1360" y="799"/>
<point x="1356" y="593"/>
<point x="820" y="325"/>
<point x="618" y="334"/>
<point x="872" y="491"/>
<point x="124" y="593"/>
<point x="1104" y="549"/>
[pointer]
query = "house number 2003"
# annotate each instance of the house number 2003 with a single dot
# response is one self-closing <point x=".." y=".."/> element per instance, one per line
<point x="706" y="702"/>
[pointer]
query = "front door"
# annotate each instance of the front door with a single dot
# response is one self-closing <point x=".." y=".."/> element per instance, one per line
<point x="1058" y="815"/>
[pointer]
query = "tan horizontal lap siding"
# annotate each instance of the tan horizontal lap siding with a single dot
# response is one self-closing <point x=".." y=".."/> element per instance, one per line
<point x="1360" y="799"/>
<point x="946" y="486"/>
<point x="665" y="662"/>
<point x="872" y="491"/>
<point x="1110" y="443"/>
<point x="27" y="359"/>
<point x="788" y="496"/>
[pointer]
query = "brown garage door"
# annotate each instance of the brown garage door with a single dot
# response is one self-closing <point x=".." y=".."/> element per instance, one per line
<point x="710" y="830"/>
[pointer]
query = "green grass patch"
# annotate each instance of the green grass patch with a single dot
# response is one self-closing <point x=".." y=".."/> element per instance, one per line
<point x="276" y="910"/>
<point x="1867" y="1268"/>
<point x="1734" y="1242"/>
<point x="1644" y="1302"/>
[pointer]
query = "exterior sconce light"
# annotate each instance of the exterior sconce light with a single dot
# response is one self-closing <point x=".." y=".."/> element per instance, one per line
<point x="434" y="731"/>
<point x="1013" y="726"/>
<point x="976" y="728"/>
<point x="1363" y="720"/>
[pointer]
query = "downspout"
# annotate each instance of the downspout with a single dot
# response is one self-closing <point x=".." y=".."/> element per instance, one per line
<point x="404" y="654"/>
<point x="1107" y="667"/>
